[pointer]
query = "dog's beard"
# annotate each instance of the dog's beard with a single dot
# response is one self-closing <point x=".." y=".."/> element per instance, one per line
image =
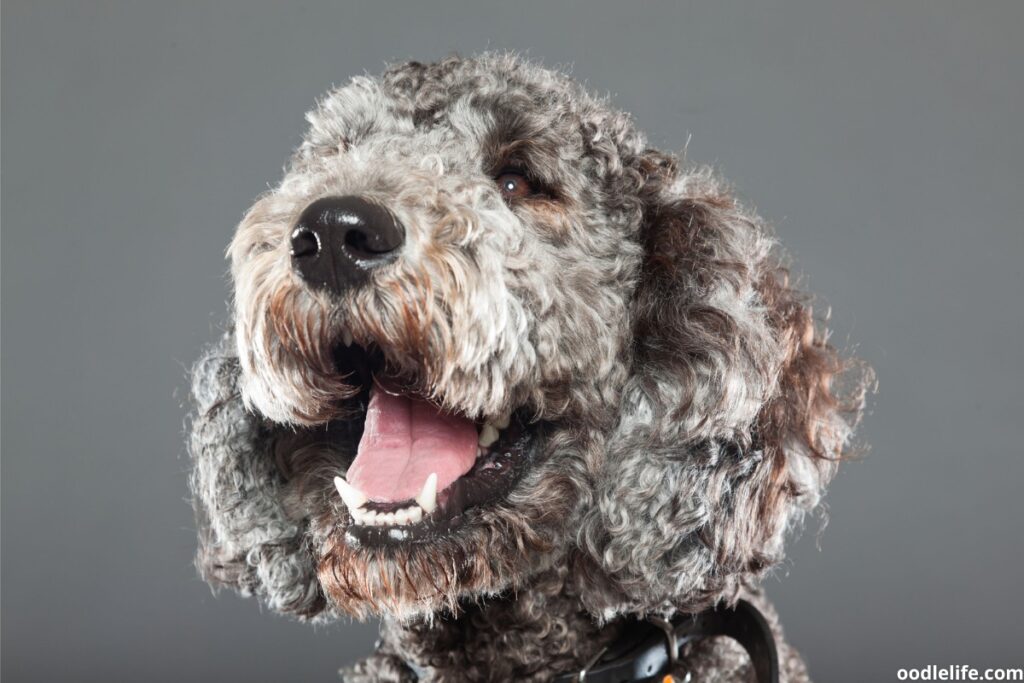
<point x="454" y="520"/>
<point x="488" y="529"/>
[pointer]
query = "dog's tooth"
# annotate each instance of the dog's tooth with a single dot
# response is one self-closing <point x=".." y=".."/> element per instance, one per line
<point x="346" y="337"/>
<point x="488" y="435"/>
<point x="502" y="421"/>
<point x="353" y="497"/>
<point x="415" y="514"/>
<point x="428" y="496"/>
<point x="402" y="516"/>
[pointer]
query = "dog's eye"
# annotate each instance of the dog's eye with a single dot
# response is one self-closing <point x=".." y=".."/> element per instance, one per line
<point x="514" y="185"/>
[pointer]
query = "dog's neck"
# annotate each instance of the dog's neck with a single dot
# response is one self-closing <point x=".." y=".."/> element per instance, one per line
<point x="539" y="631"/>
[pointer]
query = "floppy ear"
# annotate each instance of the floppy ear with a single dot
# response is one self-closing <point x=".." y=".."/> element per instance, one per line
<point x="246" y="539"/>
<point x="731" y="421"/>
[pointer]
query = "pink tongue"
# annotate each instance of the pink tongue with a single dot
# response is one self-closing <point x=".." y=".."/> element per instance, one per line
<point x="404" y="441"/>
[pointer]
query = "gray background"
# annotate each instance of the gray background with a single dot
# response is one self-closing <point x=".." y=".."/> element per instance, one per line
<point x="883" y="139"/>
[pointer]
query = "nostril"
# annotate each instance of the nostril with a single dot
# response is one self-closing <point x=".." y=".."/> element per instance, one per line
<point x="366" y="246"/>
<point x="356" y="241"/>
<point x="304" y="242"/>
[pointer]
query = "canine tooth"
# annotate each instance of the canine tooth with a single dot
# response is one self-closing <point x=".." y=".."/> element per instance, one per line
<point x="501" y="422"/>
<point x="346" y="337"/>
<point x="428" y="496"/>
<point x="488" y="435"/>
<point x="353" y="497"/>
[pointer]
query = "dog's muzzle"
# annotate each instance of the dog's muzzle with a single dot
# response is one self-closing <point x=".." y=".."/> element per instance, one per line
<point x="338" y="241"/>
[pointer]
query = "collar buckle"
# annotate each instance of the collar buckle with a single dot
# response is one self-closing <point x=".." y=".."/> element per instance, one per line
<point x="654" y="657"/>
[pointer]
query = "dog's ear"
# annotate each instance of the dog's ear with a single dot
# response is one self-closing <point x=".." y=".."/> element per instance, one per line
<point x="246" y="540"/>
<point x="732" y="420"/>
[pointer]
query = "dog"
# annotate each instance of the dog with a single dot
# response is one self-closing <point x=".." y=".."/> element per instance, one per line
<point x="502" y="374"/>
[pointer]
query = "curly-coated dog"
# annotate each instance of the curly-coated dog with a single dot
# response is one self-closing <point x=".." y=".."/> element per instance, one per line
<point x="508" y="377"/>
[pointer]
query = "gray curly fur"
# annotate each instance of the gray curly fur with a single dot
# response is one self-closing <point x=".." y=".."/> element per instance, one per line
<point x="691" y="409"/>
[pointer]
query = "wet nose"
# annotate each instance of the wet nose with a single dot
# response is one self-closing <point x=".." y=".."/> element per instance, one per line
<point x="338" y="241"/>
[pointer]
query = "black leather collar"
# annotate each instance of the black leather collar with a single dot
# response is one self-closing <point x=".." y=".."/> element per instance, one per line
<point x="651" y="648"/>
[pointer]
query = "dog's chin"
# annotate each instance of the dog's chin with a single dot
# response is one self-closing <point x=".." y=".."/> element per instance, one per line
<point x="416" y="532"/>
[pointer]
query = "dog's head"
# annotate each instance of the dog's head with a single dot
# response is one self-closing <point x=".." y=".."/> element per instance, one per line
<point x="480" y="329"/>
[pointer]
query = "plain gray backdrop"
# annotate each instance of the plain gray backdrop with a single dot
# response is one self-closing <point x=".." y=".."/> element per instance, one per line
<point x="883" y="140"/>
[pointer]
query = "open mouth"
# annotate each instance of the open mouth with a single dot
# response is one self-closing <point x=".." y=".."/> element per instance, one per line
<point x="421" y="471"/>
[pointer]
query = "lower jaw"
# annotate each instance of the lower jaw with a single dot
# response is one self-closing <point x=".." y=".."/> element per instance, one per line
<point x="491" y="479"/>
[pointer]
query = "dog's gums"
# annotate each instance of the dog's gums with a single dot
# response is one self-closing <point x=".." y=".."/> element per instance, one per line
<point x="432" y="513"/>
<point x="395" y="495"/>
<point x="393" y="492"/>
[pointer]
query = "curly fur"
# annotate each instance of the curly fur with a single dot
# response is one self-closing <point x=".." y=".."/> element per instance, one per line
<point x="690" y="411"/>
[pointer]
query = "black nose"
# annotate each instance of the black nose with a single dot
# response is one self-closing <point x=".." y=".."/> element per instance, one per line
<point x="339" y="240"/>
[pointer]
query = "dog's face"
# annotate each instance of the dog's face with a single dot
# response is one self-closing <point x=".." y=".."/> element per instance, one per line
<point x="483" y="329"/>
